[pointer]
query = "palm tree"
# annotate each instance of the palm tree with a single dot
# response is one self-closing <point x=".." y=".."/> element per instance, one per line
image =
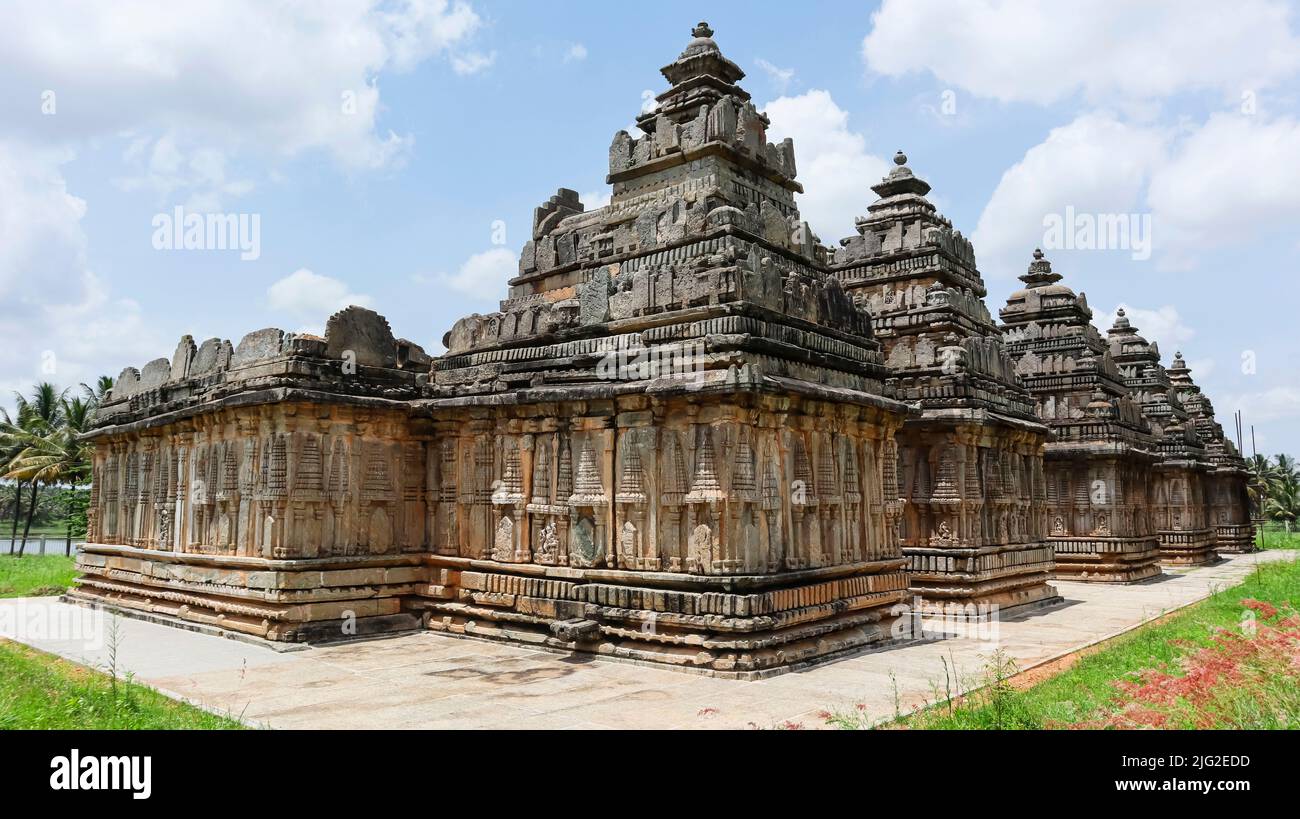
<point x="1284" y="467"/>
<point x="38" y="417"/>
<point x="95" y="395"/>
<point x="54" y="457"/>
<point x="1283" y="502"/>
<point x="10" y="446"/>
<point x="1263" y="473"/>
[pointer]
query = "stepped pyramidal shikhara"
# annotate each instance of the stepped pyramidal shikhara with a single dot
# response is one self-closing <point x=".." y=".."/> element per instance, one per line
<point x="691" y="435"/>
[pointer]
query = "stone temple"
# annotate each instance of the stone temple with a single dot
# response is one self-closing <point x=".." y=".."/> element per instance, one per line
<point x="691" y="435"/>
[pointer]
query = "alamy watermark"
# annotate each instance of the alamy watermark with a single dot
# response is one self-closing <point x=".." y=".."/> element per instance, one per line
<point x="23" y="622"/>
<point x="179" y="230"/>
<point x="1072" y="230"/>
<point x="632" y="361"/>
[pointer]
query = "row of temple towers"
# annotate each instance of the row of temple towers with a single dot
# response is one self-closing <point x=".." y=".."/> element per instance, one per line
<point x="1099" y="463"/>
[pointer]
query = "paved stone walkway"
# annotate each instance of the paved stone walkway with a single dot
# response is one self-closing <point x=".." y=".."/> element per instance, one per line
<point x="428" y="680"/>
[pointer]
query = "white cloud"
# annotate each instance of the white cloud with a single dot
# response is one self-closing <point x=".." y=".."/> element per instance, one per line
<point x="484" y="275"/>
<point x="161" y="167"/>
<point x="1227" y="183"/>
<point x="576" y="52"/>
<point x="1095" y="164"/>
<point x="1162" y="325"/>
<point x="59" y="321"/>
<point x="192" y="87"/>
<point x="415" y="30"/>
<point x="594" y="199"/>
<point x="1110" y="50"/>
<point x="472" y="62"/>
<point x="1230" y="180"/>
<point x="835" y="167"/>
<point x="780" y="77"/>
<point x="311" y="297"/>
<point x="1273" y="404"/>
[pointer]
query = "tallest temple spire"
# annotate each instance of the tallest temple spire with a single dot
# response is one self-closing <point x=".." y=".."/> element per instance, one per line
<point x="699" y="76"/>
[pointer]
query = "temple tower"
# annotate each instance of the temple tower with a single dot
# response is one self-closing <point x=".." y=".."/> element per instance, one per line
<point x="970" y="467"/>
<point x="1100" y="458"/>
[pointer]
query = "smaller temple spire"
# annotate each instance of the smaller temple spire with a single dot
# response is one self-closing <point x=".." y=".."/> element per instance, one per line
<point x="1040" y="271"/>
<point x="901" y="181"/>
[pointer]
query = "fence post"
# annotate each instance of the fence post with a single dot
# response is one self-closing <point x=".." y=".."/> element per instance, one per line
<point x="42" y="545"/>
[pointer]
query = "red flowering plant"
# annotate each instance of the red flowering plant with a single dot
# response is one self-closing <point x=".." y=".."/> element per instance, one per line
<point x="1244" y="678"/>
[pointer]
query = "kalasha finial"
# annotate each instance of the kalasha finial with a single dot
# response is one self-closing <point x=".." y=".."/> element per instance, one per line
<point x="701" y="30"/>
<point x="1038" y="254"/>
<point x="900" y="158"/>
<point x="1119" y="313"/>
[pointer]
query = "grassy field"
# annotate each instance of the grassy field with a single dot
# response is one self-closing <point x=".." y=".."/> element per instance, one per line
<point x="34" y="575"/>
<point x="1231" y="661"/>
<point x="40" y="691"/>
<point x="1274" y="536"/>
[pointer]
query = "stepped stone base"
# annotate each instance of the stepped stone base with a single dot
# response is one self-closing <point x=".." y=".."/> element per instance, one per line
<point x="1196" y="548"/>
<point x="737" y="626"/>
<point x="313" y="600"/>
<point x="1235" y="539"/>
<point x="1003" y="576"/>
<point x="1106" y="560"/>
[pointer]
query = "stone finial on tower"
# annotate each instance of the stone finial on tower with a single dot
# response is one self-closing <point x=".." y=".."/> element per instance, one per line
<point x="701" y="30"/>
<point x="1040" y="271"/>
<point x="901" y="180"/>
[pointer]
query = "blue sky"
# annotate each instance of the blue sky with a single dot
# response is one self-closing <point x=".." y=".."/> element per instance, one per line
<point x="467" y="115"/>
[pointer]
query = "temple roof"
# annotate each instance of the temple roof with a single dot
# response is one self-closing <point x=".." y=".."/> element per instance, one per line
<point x="699" y="76"/>
<point x="901" y="181"/>
<point x="1040" y="272"/>
<point x="1044" y="298"/>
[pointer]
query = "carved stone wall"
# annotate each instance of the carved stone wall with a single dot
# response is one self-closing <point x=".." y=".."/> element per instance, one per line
<point x="736" y="534"/>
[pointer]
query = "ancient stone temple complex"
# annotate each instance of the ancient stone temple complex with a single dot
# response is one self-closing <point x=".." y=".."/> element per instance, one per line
<point x="690" y="435"/>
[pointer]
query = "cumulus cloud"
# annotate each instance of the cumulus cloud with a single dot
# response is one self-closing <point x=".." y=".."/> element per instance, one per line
<point x="310" y="297"/>
<point x="576" y="52"/>
<point x="1095" y="164"/>
<point x="1108" y="50"/>
<point x="484" y="275"/>
<point x="835" y="167"/>
<point x="1225" y="183"/>
<point x="1162" y="325"/>
<point x="60" y="321"/>
<point x="1232" y="179"/>
<point x="191" y="87"/>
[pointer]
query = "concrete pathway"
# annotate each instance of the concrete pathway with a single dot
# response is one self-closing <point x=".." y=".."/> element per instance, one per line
<point x="429" y="680"/>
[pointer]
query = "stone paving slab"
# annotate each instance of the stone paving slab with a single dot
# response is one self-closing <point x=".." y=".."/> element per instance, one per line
<point x="427" y="680"/>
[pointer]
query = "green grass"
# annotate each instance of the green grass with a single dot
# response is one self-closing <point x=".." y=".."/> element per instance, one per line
<point x="38" y="690"/>
<point x="1275" y="536"/>
<point x="1264" y="695"/>
<point x="35" y="575"/>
